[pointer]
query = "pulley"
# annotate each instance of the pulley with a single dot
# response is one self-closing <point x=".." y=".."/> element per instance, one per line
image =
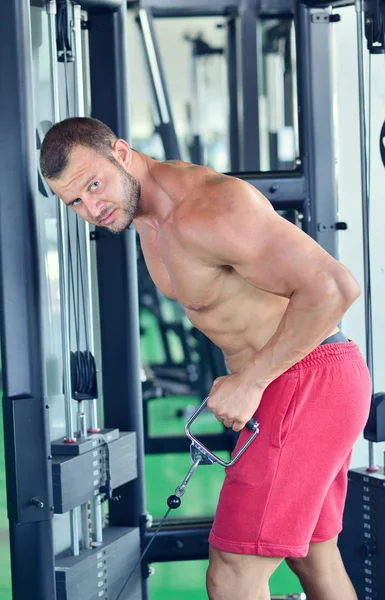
<point x="83" y="376"/>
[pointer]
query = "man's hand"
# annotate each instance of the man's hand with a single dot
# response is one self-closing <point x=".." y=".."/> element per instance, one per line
<point x="233" y="400"/>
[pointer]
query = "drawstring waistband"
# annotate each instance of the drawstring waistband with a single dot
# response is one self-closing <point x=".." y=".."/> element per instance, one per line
<point x="328" y="353"/>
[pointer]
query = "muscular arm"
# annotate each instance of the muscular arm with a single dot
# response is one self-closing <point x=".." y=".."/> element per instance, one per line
<point x="244" y="232"/>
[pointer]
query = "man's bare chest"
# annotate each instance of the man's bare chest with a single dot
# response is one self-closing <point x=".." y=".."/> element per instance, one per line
<point x="179" y="275"/>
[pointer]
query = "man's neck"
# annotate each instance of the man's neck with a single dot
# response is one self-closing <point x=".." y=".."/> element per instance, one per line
<point x="155" y="204"/>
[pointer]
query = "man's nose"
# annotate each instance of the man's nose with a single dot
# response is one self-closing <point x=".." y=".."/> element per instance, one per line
<point x="95" y="206"/>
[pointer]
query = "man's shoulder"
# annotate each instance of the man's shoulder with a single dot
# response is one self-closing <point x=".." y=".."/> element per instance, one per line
<point x="181" y="169"/>
<point x="199" y="216"/>
<point x="176" y="175"/>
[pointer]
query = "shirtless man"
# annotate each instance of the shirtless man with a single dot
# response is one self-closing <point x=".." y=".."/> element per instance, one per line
<point x="271" y="298"/>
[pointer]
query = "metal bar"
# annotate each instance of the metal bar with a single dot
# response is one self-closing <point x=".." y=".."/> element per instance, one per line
<point x="189" y="8"/>
<point x="89" y="5"/>
<point x="316" y="123"/>
<point x="248" y="60"/>
<point x="101" y="5"/>
<point x="180" y="490"/>
<point x="191" y="535"/>
<point x="276" y="104"/>
<point x="65" y="320"/>
<point x="63" y="273"/>
<point x="175" y="444"/>
<point x="82" y="424"/>
<point x="51" y="11"/>
<point x="364" y="186"/>
<point x="231" y="59"/>
<point x="306" y="219"/>
<point x="186" y="8"/>
<point x="25" y="410"/>
<point x="62" y="237"/>
<point x="85" y="527"/>
<point x="303" y="91"/>
<point x="166" y="126"/>
<point x="97" y="520"/>
<point x="93" y="411"/>
<point x="153" y="61"/>
<point x="199" y="450"/>
<point x="202" y="8"/>
<point x="86" y="68"/>
<point x="196" y="147"/>
<point x="116" y="266"/>
<point x="322" y="4"/>
<point x="119" y="321"/>
<point x="290" y="91"/>
<point x="276" y="7"/>
<point x="365" y="205"/>
<point x="286" y="188"/>
<point x="76" y="32"/>
<point x="196" y="108"/>
<point x="79" y="103"/>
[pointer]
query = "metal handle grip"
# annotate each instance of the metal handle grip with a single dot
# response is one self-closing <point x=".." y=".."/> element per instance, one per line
<point x="252" y="425"/>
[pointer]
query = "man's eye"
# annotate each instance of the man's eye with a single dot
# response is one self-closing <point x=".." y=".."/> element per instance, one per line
<point x="75" y="202"/>
<point x="94" y="186"/>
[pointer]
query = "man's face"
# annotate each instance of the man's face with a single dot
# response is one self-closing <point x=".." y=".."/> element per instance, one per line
<point x="99" y="191"/>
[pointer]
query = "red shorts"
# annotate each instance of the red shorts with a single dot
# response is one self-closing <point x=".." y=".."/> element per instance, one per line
<point x="289" y="487"/>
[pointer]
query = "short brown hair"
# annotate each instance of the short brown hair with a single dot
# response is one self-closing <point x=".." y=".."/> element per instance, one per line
<point x="65" y="136"/>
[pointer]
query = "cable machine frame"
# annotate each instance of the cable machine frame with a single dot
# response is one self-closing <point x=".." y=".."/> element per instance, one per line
<point x="306" y="189"/>
<point x="29" y="461"/>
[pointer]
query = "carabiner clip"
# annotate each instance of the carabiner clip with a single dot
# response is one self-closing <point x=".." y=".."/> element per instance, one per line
<point x="207" y="457"/>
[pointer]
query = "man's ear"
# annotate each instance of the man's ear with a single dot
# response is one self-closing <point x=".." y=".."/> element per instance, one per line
<point x="122" y="152"/>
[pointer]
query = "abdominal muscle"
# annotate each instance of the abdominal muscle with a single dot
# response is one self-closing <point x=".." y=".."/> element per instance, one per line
<point x="241" y="325"/>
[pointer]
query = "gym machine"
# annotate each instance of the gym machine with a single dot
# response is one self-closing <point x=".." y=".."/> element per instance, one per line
<point x="61" y="544"/>
<point x="362" y="541"/>
<point x="308" y="189"/>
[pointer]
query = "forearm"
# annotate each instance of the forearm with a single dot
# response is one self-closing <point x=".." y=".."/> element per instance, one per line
<point x="311" y="315"/>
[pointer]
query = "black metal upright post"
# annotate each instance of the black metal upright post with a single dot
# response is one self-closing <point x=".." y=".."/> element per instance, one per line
<point x="165" y="125"/>
<point x="248" y="63"/>
<point x="231" y="59"/>
<point x="28" y="467"/>
<point x="316" y="123"/>
<point x="117" y="269"/>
